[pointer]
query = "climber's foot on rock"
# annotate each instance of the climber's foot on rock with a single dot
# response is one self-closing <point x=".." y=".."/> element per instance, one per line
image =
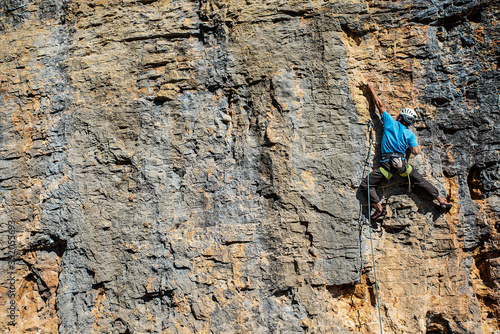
<point x="379" y="214"/>
<point x="445" y="206"/>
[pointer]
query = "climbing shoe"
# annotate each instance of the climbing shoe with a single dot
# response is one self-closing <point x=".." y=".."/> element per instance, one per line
<point x="445" y="206"/>
<point x="379" y="214"/>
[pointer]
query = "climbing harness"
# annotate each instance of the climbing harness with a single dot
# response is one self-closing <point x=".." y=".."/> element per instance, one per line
<point x="407" y="172"/>
<point x="397" y="160"/>
<point x="370" y="223"/>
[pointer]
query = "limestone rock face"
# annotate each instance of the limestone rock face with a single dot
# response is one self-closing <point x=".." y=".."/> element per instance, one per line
<point x="193" y="166"/>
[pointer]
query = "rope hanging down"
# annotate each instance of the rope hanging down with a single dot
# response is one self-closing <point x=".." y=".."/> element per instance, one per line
<point x="370" y="223"/>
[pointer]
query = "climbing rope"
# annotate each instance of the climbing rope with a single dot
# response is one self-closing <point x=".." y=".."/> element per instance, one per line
<point x="370" y="223"/>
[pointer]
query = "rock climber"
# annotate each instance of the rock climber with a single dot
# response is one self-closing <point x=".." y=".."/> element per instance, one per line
<point x="397" y="138"/>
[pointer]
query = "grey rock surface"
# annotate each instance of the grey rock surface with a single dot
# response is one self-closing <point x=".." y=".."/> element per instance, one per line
<point x="193" y="166"/>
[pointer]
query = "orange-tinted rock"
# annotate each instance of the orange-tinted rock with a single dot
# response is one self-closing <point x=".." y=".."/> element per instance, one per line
<point x="192" y="166"/>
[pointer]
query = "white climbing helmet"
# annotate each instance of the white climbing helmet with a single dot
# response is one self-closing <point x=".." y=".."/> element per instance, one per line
<point x="409" y="115"/>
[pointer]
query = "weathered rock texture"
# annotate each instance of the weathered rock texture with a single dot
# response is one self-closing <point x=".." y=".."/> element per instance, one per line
<point x="193" y="166"/>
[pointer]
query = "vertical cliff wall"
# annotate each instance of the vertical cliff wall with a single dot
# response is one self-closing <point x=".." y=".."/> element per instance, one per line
<point x="193" y="166"/>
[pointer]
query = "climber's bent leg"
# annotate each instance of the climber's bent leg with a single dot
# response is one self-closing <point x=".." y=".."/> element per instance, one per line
<point x="419" y="181"/>
<point x="376" y="178"/>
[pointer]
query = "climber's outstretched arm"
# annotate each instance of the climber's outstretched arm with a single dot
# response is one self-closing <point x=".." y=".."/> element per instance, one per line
<point x="378" y="102"/>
